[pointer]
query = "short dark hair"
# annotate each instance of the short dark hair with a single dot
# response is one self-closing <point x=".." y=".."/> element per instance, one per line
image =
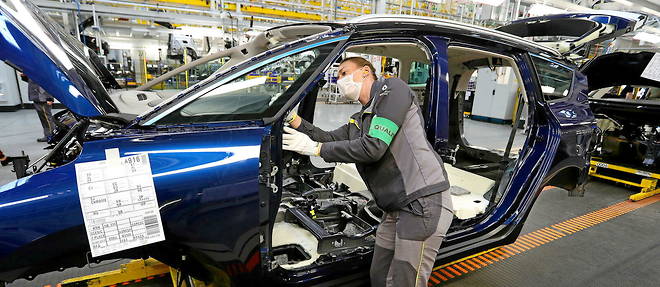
<point x="361" y="62"/>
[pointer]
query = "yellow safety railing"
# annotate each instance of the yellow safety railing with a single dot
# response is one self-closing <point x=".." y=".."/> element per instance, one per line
<point x="648" y="183"/>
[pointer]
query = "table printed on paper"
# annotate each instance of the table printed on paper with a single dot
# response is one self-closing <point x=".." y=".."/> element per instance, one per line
<point x="119" y="203"/>
<point x="652" y="70"/>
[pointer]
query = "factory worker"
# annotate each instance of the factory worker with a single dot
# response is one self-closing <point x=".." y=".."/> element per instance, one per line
<point x="387" y="142"/>
<point x="43" y="104"/>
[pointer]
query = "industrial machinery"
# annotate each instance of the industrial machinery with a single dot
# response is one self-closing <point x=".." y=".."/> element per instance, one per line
<point x="627" y="105"/>
<point x="628" y="150"/>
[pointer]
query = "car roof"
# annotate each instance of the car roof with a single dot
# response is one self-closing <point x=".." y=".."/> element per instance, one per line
<point x="457" y="27"/>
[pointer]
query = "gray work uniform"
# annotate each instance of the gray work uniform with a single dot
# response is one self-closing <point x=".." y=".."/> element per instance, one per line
<point x="387" y="142"/>
<point x="39" y="98"/>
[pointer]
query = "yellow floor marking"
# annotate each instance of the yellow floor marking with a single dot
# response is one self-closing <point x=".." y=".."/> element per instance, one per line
<point x="537" y="238"/>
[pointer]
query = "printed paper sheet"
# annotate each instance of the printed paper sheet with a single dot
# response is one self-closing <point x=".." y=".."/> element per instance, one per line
<point x="119" y="204"/>
<point x="652" y="70"/>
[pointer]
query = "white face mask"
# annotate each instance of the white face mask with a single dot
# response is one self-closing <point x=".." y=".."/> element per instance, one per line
<point x="348" y="88"/>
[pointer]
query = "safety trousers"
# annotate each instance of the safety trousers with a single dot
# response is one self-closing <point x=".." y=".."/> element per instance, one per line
<point x="407" y="242"/>
<point x="45" y="114"/>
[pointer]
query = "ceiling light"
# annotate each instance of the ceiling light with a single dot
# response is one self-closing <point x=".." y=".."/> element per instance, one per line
<point x="624" y="2"/>
<point x="650" y="11"/>
<point x="646" y="37"/>
<point x="490" y="2"/>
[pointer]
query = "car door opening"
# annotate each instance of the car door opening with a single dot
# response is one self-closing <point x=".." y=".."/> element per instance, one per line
<point x="327" y="211"/>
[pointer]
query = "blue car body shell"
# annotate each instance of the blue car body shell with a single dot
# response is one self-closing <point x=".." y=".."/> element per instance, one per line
<point x="619" y="22"/>
<point x="204" y="179"/>
<point x="575" y="30"/>
<point x="209" y="177"/>
<point x="56" y="61"/>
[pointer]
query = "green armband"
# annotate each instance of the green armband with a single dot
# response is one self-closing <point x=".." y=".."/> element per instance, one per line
<point x="383" y="129"/>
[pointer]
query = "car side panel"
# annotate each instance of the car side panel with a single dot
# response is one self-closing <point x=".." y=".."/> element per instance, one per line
<point x="206" y="184"/>
<point x="577" y="124"/>
<point x="437" y="113"/>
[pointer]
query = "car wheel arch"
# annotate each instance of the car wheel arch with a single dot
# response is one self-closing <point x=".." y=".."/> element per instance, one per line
<point x="567" y="177"/>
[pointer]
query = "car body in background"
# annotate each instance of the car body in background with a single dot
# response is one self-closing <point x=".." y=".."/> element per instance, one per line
<point x="627" y="106"/>
<point x="224" y="185"/>
<point x="624" y="101"/>
<point x="570" y="32"/>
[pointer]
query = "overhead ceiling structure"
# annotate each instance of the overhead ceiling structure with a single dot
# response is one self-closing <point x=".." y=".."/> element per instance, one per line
<point x="262" y="14"/>
<point x="215" y="17"/>
<point x="233" y="18"/>
<point x="651" y="7"/>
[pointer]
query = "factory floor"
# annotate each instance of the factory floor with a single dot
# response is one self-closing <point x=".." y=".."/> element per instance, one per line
<point x="614" y="242"/>
<point x="19" y="132"/>
<point x="599" y="239"/>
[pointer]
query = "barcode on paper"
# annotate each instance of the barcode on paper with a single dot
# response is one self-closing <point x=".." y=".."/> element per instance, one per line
<point x="151" y="224"/>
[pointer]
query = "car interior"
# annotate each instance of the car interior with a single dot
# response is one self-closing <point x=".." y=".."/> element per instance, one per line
<point x="326" y="210"/>
<point x="477" y="75"/>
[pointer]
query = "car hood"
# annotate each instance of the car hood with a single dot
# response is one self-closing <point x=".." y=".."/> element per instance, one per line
<point x="581" y="28"/>
<point x="34" y="44"/>
<point x="618" y="69"/>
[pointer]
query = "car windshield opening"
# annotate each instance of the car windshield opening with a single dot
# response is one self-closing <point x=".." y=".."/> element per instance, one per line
<point x="256" y="94"/>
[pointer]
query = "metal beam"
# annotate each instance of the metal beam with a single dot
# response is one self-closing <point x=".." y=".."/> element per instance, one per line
<point x="213" y="18"/>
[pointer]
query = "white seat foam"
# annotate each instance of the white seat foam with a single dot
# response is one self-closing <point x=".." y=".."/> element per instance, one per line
<point x="465" y="206"/>
<point x="291" y="234"/>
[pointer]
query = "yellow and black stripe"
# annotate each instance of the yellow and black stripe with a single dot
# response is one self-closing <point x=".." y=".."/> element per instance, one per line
<point x="533" y="239"/>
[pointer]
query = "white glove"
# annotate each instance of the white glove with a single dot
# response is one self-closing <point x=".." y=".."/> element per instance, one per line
<point x="296" y="141"/>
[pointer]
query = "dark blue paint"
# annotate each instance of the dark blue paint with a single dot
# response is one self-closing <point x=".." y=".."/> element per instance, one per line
<point x="41" y="69"/>
<point x="438" y="129"/>
<point x="538" y="157"/>
<point x="574" y="108"/>
<point x="221" y="190"/>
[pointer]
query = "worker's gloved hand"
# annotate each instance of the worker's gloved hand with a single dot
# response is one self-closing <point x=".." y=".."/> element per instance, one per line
<point x="296" y="141"/>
